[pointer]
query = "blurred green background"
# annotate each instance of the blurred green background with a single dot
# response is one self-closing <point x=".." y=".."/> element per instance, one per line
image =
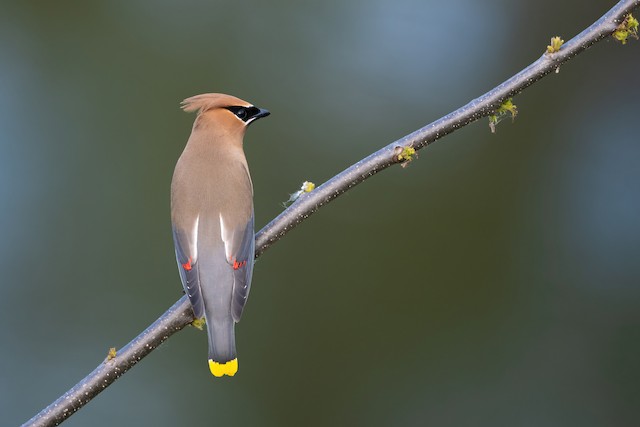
<point x="492" y="282"/>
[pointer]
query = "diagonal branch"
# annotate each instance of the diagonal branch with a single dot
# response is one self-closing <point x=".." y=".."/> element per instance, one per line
<point x="180" y="315"/>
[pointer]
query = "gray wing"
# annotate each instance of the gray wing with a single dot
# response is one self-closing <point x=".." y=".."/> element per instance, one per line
<point x="188" y="268"/>
<point x="240" y="248"/>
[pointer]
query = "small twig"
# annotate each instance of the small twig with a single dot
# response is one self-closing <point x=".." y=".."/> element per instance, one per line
<point x="180" y="315"/>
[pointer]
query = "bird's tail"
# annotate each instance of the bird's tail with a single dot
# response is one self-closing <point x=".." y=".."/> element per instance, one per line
<point x="222" y="348"/>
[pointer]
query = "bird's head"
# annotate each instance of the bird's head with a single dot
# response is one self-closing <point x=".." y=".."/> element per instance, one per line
<point x="220" y="110"/>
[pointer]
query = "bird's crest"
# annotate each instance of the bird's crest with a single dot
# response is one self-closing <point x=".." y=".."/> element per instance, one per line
<point x="207" y="101"/>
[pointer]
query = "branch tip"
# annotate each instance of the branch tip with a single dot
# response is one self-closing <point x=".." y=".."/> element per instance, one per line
<point x="198" y="323"/>
<point x="556" y="43"/>
<point x="507" y="107"/>
<point x="627" y="28"/>
<point x="405" y="155"/>
<point x="307" y="187"/>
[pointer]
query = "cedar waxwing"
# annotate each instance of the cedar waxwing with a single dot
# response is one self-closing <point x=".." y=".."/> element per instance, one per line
<point x="212" y="220"/>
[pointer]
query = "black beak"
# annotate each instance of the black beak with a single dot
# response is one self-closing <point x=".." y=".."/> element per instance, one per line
<point x="256" y="113"/>
<point x="261" y="113"/>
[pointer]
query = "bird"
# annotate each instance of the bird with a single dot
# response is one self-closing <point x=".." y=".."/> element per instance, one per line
<point x="212" y="220"/>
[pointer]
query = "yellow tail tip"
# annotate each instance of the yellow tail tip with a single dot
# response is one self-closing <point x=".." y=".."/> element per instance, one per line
<point x="227" y="368"/>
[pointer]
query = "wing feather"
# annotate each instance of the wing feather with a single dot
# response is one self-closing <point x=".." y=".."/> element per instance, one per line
<point x="240" y="254"/>
<point x="187" y="257"/>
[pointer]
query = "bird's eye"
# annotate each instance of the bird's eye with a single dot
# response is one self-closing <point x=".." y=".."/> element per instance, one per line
<point x="247" y="114"/>
<point x="241" y="112"/>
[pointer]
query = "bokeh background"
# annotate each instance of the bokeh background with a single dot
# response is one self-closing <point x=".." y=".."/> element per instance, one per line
<point x="495" y="281"/>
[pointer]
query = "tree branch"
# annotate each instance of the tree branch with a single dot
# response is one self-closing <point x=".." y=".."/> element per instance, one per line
<point x="180" y="314"/>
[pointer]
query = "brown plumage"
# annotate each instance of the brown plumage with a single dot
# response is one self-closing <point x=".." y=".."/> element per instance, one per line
<point x="212" y="219"/>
